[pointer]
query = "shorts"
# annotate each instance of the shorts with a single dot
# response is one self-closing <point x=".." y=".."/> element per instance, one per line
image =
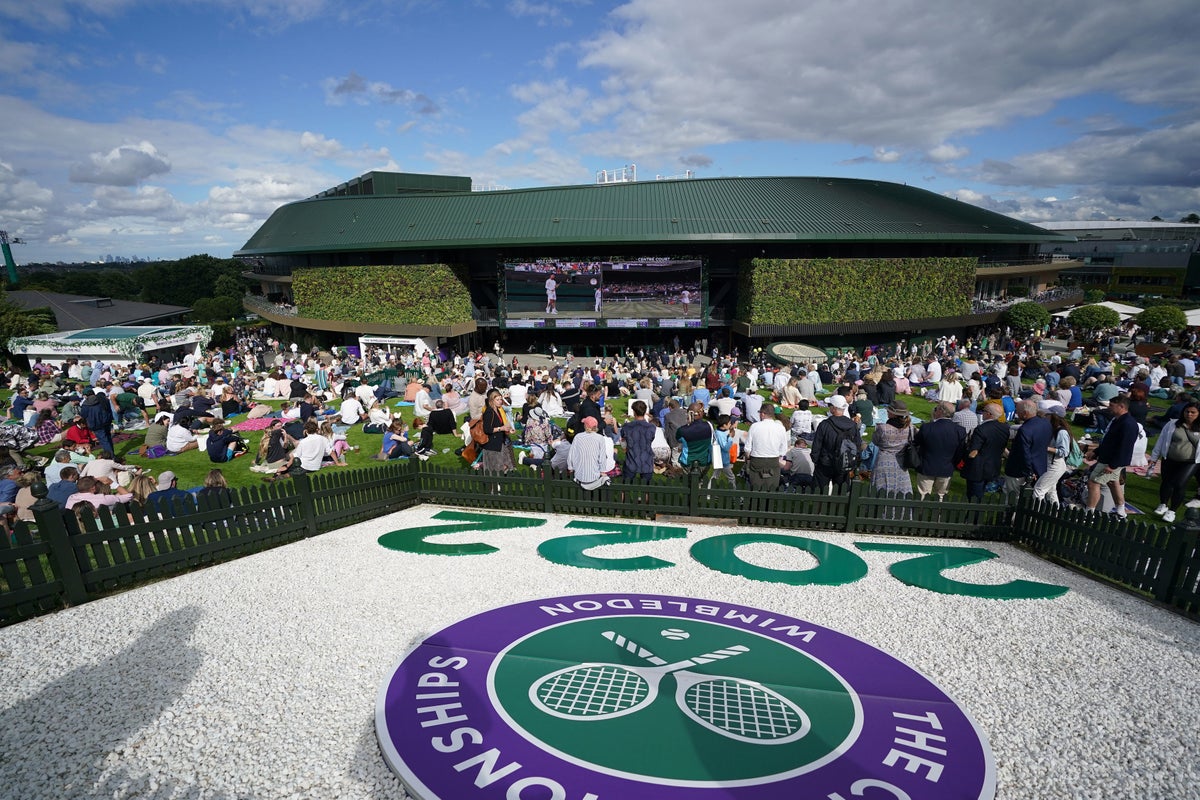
<point x="1100" y="476"/>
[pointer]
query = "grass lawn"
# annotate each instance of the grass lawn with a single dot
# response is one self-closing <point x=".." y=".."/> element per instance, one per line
<point x="192" y="467"/>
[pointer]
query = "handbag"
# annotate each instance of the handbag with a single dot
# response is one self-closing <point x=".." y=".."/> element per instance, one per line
<point x="909" y="456"/>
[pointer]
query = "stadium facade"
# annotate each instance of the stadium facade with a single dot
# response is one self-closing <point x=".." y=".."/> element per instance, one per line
<point x="628" y="262"/>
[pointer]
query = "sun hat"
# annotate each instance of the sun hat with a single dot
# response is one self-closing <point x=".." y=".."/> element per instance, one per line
<point x="898" y="409"/>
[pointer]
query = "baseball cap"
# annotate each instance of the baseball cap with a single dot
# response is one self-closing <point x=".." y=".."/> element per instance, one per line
<point x="165" y="479"/>
<point x="837" y="401"/>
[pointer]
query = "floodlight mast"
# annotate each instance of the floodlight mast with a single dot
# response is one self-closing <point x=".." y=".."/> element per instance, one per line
<point x="5" y="241"/>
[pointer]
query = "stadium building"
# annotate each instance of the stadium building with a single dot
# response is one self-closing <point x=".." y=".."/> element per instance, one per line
<point x="1129" y="260"/>
<point x="726" y="260"/>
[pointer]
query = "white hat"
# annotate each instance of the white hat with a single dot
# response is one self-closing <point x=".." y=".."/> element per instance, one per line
<point x="837" y="401"/>
<point x="165" y="479"/>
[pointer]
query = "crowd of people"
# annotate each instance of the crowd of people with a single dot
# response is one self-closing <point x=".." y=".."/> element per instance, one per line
<point x="1000" y="419"/>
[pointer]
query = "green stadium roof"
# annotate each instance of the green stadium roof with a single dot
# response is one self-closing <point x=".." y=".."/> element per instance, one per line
<point x="698" y="211"/>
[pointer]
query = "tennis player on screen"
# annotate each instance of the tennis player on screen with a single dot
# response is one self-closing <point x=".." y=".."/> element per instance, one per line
<point x="551" y="295"/>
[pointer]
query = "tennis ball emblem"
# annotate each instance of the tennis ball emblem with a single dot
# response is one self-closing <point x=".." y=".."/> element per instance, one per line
<point x="675" y="634"/>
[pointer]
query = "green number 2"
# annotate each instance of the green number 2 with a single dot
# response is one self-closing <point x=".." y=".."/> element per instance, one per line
<point x="414" y="540"/>
<point x="925" y="571"/>
<point x="568" y="550"/>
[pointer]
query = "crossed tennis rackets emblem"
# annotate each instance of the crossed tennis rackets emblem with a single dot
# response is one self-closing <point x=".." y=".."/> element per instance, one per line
<point x="737" y="708"/>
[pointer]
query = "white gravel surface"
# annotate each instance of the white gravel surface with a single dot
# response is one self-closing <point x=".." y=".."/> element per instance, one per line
<point x="258" y="678"/>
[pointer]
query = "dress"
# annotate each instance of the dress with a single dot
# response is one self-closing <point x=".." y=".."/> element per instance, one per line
<point x="887" y="474"/>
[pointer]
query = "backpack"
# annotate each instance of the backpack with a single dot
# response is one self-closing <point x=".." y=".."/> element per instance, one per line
<point x="846" y="456"/>
<point x="1074" y="456"/>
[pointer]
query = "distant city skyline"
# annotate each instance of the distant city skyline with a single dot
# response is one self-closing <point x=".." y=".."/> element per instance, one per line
<point x="170" y="129"/>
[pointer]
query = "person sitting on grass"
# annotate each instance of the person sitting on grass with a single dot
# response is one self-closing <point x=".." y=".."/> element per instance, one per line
<point x="169" y="500"/>
<point x="306" y="456"/>
<point x="272" y="448"/>
<point x="223" y="444"/>
<point x="79" y="437"/>
<point x="47" y="428"/>
<point x="91" y="491"/>
<point x="64" y="487"/>
<point x="395" y="442"/>
<point x="338" y="444"/>
<point x="441" y="421"/>
<point x="156" y="436"/>
<point x="180" y="438"/>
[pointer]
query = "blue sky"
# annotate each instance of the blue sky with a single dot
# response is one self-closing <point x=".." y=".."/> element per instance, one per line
<point x="163" y="129"/>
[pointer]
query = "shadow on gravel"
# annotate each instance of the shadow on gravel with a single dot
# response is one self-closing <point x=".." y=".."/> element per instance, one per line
<point x="69" y="740"/>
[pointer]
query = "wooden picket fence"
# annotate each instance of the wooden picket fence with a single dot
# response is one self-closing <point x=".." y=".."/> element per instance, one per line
<point x="65" y="560"/>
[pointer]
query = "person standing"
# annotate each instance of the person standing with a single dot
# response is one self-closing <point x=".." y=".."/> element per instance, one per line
<point x="1113" y="455"/>
<point x="696" y="439"/>
<point x="1027" y="455"/>
<point x="1059" y="448"/>
<point x="940" y="443"/>
<point x="497" y="451"/>
<point x="985" y="452"/>
<point x="888" y="474"/>
<point x="766" y="444"/>
<point x="826" y="446"/>
<point x="96" y="411"/>
<point x="638" y="435"/>
<point x="1177" y="451"/>
<point x="551" y="295"/>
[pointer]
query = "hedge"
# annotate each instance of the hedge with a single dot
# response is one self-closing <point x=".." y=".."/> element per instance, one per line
<point x="421" y="294"/>
<point x="775" y="291"/>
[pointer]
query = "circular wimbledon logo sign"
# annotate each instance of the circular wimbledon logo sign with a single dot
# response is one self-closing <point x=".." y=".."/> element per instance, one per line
<point x="630" y="696"/>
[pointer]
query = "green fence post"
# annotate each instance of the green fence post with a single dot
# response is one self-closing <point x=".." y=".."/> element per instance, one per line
<point x="693" y="493"/>
<point x="547" y="491"/>
<point x="1021" y="502"/>
<point x="1183" y="541"/>
<point x="53" y="531"/>
<point x="308" y="504"/>
<point x="853" y="506"/>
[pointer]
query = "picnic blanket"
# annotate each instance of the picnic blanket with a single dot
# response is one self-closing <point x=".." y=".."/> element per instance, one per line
<point x="259" y="424"/>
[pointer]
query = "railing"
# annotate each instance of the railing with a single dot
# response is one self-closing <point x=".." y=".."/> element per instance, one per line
<point x="69" y="561"/>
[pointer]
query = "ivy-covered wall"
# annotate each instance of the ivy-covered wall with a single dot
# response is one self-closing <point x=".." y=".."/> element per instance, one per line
<point x="422" y="294"/>
<point x="778" y="291"/>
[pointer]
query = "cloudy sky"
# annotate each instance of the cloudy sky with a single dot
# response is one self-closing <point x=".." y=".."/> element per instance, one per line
<point x="164" y="128"/>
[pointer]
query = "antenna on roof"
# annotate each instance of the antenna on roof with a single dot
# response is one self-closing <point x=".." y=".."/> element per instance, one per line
<point x="625" y="174"/>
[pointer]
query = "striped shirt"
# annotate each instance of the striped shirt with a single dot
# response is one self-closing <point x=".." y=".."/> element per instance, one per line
<point x="587" y="457"/>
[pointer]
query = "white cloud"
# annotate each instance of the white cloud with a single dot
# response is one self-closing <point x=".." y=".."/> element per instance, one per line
<point x="357" y="89"/>
<point x="548" y="12"/>
<point x="693" y="73"/>
<point x="1168" y="156"/>
<point x="127" y="165"/>
<point x="947" y="152"/>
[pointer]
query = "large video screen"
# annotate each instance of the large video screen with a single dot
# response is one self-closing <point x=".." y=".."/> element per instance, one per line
<point x="637" y="293"/>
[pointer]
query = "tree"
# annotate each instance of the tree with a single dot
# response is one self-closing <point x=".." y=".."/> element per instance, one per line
<point x="1156" y="218"/>
<point x="1094" y="318"/>
<point x="1027" y="317"/>
<point x="16" y="321"/>
<point x="1094" y="296"/>
<point x="1160" y="319"/>
<point x="1192" y="219"/>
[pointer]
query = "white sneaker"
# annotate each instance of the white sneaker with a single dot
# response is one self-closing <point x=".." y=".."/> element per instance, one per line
<point x="1169" y="516"/>
<point x="521" y="457"/>
<point x="1162" y="509"/>
<point x="1193" y="503"/>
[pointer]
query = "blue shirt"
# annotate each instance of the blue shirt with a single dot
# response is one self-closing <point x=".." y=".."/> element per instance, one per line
<point x="60" y="491"/>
